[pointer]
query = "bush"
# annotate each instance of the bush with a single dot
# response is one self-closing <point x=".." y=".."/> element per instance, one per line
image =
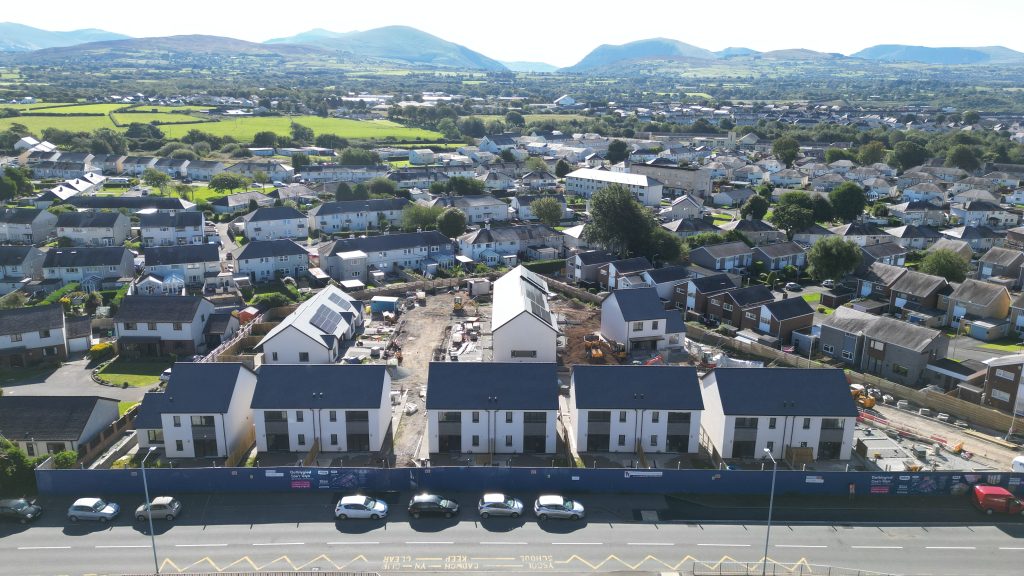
<point x="545" y="266"/>
<point x="101" y="351"/>
<point x="65" y="459"/>
<point x="268" y="301"/>
<point x="57" y="295"/>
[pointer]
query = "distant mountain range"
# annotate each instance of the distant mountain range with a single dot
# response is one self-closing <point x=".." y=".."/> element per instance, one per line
<point x="652" y="49"/>
<point x="529" y="66"/>
<point x="946" y="56"/>
<point x="21" y="38"/>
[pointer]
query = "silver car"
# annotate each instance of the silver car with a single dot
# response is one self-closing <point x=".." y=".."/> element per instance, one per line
<point x="553" y="506"/>
<point x="161" y="507"/>
<point x="93" y="509"/>
<point x="496" y="504"/>
<point x="360" y="507"/>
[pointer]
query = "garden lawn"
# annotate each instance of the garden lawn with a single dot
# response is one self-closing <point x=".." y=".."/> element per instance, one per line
<point x="124" y="406"/>
<point x="1010" y="345"/>
<point x="813" y="298"/>
<point x="721" y="219"/>
<point x="135" y="373"/>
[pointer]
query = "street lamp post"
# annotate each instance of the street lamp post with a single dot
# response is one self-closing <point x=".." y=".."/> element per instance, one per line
<point x="149" y="512"/>
<point x="771" y="502"/>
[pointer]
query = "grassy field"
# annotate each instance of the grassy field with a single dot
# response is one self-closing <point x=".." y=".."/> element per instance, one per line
<point x="136" y="374"/>
<point x="534" y="117"/>
<point x="124" y="406"/>
<point x="169" y="109"/>
<point x="812" y="298"/>
<point x="37" y="124"/>
<point x="31" y="106"/>
<point x="719" y="218"/>
<point x="243" y="129"/>
<point x="147" y="117"/>
<point x="79" y="109"/>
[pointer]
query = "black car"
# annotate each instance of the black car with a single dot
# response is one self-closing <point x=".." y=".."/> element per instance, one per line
<point x="432" y="505"/>
<point x="20" y="509"/>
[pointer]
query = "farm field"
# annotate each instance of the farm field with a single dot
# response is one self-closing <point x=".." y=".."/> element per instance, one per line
<point x="148" y="117"/>
<point x="243" y="129"/>
<point x="169" y="109"/>
<point x="78" y="109"/>
<point x="534" y="117"/>
<point x="37" y="124"/>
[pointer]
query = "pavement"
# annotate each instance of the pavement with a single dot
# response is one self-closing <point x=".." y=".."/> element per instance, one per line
<point x="70" y="379"/>
<point x="622" y="533"/>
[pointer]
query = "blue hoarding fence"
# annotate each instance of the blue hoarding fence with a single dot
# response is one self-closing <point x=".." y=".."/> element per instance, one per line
<point x="469" y="479"/>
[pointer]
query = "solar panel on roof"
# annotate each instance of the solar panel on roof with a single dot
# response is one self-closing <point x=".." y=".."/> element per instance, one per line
<point x="540" y="312"/>
<point x="337" y="299"/>
<point x="326" y="319"/>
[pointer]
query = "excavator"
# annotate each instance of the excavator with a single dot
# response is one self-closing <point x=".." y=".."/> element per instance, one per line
<point x="860" y="394"/>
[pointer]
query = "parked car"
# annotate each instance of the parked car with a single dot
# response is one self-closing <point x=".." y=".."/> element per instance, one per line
<point x="793" y="287"/>
<point x="20" y="509"/>
<point x="554" y="506"/>
<point x="828" y="283"/>
<point x="161" y="507"/>
<point x="165" y="376"/>
<point x="360" y="507"/>
<point x="93" y="509"/>
<point x="432" y="505"/>
<point x="496" y="504"/>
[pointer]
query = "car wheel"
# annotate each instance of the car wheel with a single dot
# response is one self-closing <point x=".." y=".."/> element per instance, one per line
<point x="342" y="517"/>
<point x="140" y="517"/>
<point x="73" y="518"/>
<point x="169" y="517"/>
<point x="543" y="517"/>
<point x="447" y="514"/>
<point x="574" y="517"/>
<point x="103" y="519"/>
<point x="374" y="516"/>
<point x="415" y="514"/>
<point x="515" y="514"/>
<point x="24" y="520"/>
<point x="484" y="515"/>
<point x="988" y="511"/>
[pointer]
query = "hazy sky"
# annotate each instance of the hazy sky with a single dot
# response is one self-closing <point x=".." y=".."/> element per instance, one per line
<point x="561" y="33"/>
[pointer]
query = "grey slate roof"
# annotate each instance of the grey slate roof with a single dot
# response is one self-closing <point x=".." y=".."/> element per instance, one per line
<point x="521" y="233"/>
<point x="351" y="206"/>
<point x="883" y="273"/>
<point x="780" y="249"/>
<point x="31" y="319"/>
<point x="883" y="250"/>
<point x="1000" y="256"/>
<point x="912" y="231"/>
<point x="712" y="283"/>
<point x="629" y="265"/>
<point x="129" y="202"/>
<point x="194" y="388"/>
<point x="756" y="294"/>
<point x="87" y="219"/>
<point x="387" y="242"/>
<point x="636" y="387"/>
<point x="164" y="219"/>
<point x="47" y="417"/>
<point x="784" y="392"/>
<point x="268" y="249"/>
<point x="695" y="225"/>
<point x="727" y="249"/>
<point x="977" y="291"/>
<point x="789" y="308"/>
<point x="242" y="198"/>
<point x="187" y="254"/>
<point x="342" y="386"/>
<point x="217" y="323"/>
<point x="888" y="330"/>
<point x="595" y="257"/>
<point x="748" y="226"/>
<point x="492" y="386"/>
<point x="19" y="215"/>
<point x="918" y="283"/>
<point x="639" y="304"/>
<point x="158" y="309"/>
<point x="971" y="232"/>
<point x="274" y="213"/>
<point x="84" y="256"/>
<point x="14" y="255"/>
<point x="857" y="229"/>
<point x="669" y="274"/>
<point x="78" y="327"/>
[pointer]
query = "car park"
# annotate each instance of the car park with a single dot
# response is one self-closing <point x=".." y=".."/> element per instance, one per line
<point x="358" y="506"/>
<point x="496" y="504"/>
<point x="20" y="509"/>
<point x="162" y="507"/>
<point x="93" y="509"/>
<point x="432" y="505"/>
<point x="554" y="506"/>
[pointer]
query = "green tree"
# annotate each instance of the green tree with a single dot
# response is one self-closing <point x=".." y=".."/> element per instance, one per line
<point x="822" y="209"/>
<point x="260" y="177"/>
<point x="184" y="191"/>
<point x="22" y="179"/>
<point x="848" y="201"/>
<point x="507" y="156"/>
<point x="462" y="186"/>
<point x="227" y="181"/>
<point x="832" y="257"/>
<point x="420" y="216"/>
<point x="792" y="218"/>
<point x="618" y="221"/>
<point x="332" y="141"/>
<point x="870" y="153"/>
<point x="451" y="222"/>
<point x="834" y="154"/>
<point x="155" y="179"/>
<point x="562" y="168"/>
<point x="962" y="156"/>
<point x="301" y="135"/>
<point x="8" y="188"/>
<point x="65" y="459"/>
<point x="472" y="126"/>
<point x="947" y="264"/>
<point x="548" y="210"/>
<point x="617" y="151"/>
<point x="907" y="154"/>
<point x="300" y="161"/>
<point x="664" y="246"/>
<point x="513" y="118"/>
<point x="880" y="210"/>
<point x="357" y="157"/>
<point x="449" y="129"/>
<point x="786" y="149"/>
<point x="764" y="191"/>
<point x="971" y="117"/>
<point x="381" y="186"/>
<point x="536" y="164"/>
<point x="345" y="192"/>
<point x="755" y="207"/>
<point x="264" y="139"/>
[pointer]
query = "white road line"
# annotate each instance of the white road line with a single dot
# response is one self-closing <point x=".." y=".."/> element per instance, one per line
<point x="1010" y="548"/>
<point x="877" y="547"/>
<point x="801" y="546"/>
<point x="352" y="543"/>
<point x="949" y="548"/>
<point x="727" y="545"/>
<point x="44" y="547"/>
<point x="650" y="544"/>
<point x="280" y="544"/>
<point x="426" y="542"/>
<point x="503" y="543"/>
<point x="199" y="545"/>
<point x="125" y="546"/>
<point x="577" y="543"/>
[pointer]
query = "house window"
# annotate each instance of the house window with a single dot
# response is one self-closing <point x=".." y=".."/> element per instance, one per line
<point x="742" y="422"/>
<point x="847" y="355"/>
<point x="654" y="439"/>
<point x="129" y="326"/>
<point x="524" y="353"/>
<point x="303" y="356"/>
<point x="716" y="302"/>
<point x="828" y="348"/>
<point x="476" y="440"/>
<point x="878" y="345"/>
<point x="772" y="423"/>
<point x="476" y="417"/>
<point x="508" y="417"/>
<point x="151" y="325"/>
<point x="751" y="316"/>
<point x="622" y="439"/>
<point x="44" y="333"/>
<point x="332" y="416"/>
<point x="1004" y="374"/>
<point x="155" y="436"/>
<point x="334" y="439"/>
<point x="302" y="439"/>
<point x="655" y="417"/>
<point x="803" y="444"/>
<point x="177" y="326"/>
<point x="15" y="337"/>
<point x="274" y="356"/>
<point x="727" y="307"/>
<point x="179" y="446"/>
<point x="508" y="440"/>
<point x="638" y="326"/>
<point x="771" y="446"/>
<point x="901" y="370"/>
<point x="177" y="421"/>
<point x="299" y="417"/>
<point x="622" y="415"/>
<point x="807" y="423"/>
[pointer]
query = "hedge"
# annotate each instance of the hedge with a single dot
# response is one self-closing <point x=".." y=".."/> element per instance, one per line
<point x="56" y="295"/>
<point x="545" y="266"/>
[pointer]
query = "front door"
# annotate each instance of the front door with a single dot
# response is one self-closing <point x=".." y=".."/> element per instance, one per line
<point x="205" y="448"/>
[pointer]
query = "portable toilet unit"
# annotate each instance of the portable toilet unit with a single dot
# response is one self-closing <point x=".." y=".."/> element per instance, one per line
<point x="382" y="304"/>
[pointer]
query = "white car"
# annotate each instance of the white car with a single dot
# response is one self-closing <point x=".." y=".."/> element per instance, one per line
<point x="553" y="506"/>
<point x="360" y="507"/>
<point x="165" y="376"/>
<point x="161" y="507"/>
<point x="496" y="504"/>
<point x="93" y="509"/>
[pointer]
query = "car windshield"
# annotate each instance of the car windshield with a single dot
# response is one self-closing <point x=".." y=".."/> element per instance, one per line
<point x="510" y="502"/>
<point x="569" y="504"/>
<point x="368" y="503"/>
<point x="18" y="504"/>
<point x="99" y="505"/>
<point x="447" y="504"/>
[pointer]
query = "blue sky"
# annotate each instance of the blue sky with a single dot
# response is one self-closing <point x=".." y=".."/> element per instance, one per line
<point x="561" y="33"/>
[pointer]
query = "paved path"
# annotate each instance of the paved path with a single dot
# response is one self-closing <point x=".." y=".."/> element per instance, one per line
<point x="71" y="379"/>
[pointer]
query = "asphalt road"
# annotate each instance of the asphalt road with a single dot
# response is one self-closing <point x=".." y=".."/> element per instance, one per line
<point x="71" y="379"/>
<point x="291" y="532"/>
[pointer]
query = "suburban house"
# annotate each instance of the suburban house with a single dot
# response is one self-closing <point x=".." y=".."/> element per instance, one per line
<point x="983" y="305"/>
<point x="979" y="238"/>
<point x="918" y="213"/>
<point x="523" y="328"/>
<point x="192" y="263"/>
<point x="699" y="291"/>
<point x="357" y="215"/>
<point x="19" y="265"/>
<point x="520" y="203"/>
<point x="624" y="408"/>
<point x="914" y="297"/>
<point x="539" y="180"/>
<point x="914" y="237"/>
<point x="1017" y="315"/>
<point x="373" y="257"/>
<point x="265" y="260"/>
<point x="808" y="236"/>
<point x="94" y="228"/>
<point x="796" y="414"/>
<point x="204" y="170"/>
<point x="982" y="213"/>
<point x="298" y="193"/>
<point x="176" y="168"/>
<point x="776" y="321"/>
<point x="957" y="246"/>
<point x="586" y="181"/>
<point x="686" y="227"/>
<point x="274" y="171"/>
<point x="890" y="348"/>
<point x="637" y="320"/>
<point x="132" y="203"/>
<point x="1002" y="266"/>
<point x="42" y="425"/>
<point x="495" y="180"/>
<point x="731" y="305"/>
<point x="326" y="407"/>
<point x="421" y="156"/>
<point x="683" y="208"/>
<point x="203" y="413"/>
<point x="32" y="334"/>
<point x="496" y="143"/>
<point x="614" y="274"/>
<point x="94" y="267"/>
<point x="162" y="325"/>
<point x="877" y="280"/>
<point x="507" y="245"/>
<point x="586" y="266"/>
<point x="728" y="196"/>
<point x="1004" y="386"/>
<point x="510" y="408"/>
<point x="177" y="229"/>
<point x="136" y="165"/>
<point x="757" y="231"/>
<point x="478" y="209"/>
<point x="727" y="257"/>
<point x="665" y="280"/>
<point x="26" y="225"/>
<point x="273" y="223"/>
<point x="891" y="253"/>
<point x="861" y="233"/>
<point x="316" y="332"/>
<point x="781" y="255"/>
<point x="235" y="203"/>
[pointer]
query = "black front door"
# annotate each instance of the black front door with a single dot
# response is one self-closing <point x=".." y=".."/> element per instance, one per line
<point x="597" y="442"/>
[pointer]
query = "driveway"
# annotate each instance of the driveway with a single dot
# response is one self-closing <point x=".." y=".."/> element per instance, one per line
<point x="71" y="379"/>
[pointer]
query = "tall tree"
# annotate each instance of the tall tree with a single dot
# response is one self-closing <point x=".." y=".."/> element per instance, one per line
<point x="834" y="154"/>
<point x="300" y="161"/>
<point x="786" y="149"/>
<point x="345" y="192"/>
<point x="870" y="153"/>
<point x="301" y="135"/>
<point x="420" y="216"/>
<point x="562" y="168"/>
<point x="451" y="222"/>
<point x="547" y="210"/>
<point x="792" y="218"/>
<point x="822" y="209"/>
<point x="226" y="181"/>
<point x="536" y="164"/>
<point x="155" y="179"/>
<point x="947" y="264"/>
<point x="264" y="139"/>
<point x="513" y="118"/>
<point x="848" y="201"/>
<point x="472" y="126"/>
<point x="907" y="154"/>
<point x="832" y="257"/>
<point x="618" y="221"/>
<point x="962" y="156"/>
<point x="617" y="151"/>
<point x="755" y="207"/>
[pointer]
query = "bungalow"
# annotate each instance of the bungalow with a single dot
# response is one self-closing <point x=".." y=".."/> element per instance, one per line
<point x="266" y="260"/>
<point x="781" y="255"/>
<point x="625" y="273"/>
<point x="161" y="325"/>
<point x="585" y="266"/>
<point x="32" y="334"/>
<point x="478" y="209"/>
<point x="757" y="231"/>
<point x="523" y="328"/>
<point x="26" y="225"/>
<point x="656" y="409"/>
<point x="726" y="257"/>
<point x="686" y="227"/>
<point x="918" y="213"/>
<point x="637" y="320"/>
<point x="326" y="407"/>
<point x="509" y="409"/>
<point x="1002" y="263"/>
<point x="316" y="332"/>
<point x="42" y="425"/>
<point x="492" y="245"/>
<point x="520" y="203"/>
<point x="192" y="263"/>
<point x="782" y="410"/>
<point x="357" y="215"/>
<point x="93" y="267"/>
<point x="94" y="228"/>
<point x="273" y="223"/>
<point x="914" y="237"/>
<point x="19" y="265"/>
<point x="359" y="258"/>
<point x="235" y="203"/>
<point x="177" y="229"/>
<point x="731" y="197"/>
<point x="204" y="412"/>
